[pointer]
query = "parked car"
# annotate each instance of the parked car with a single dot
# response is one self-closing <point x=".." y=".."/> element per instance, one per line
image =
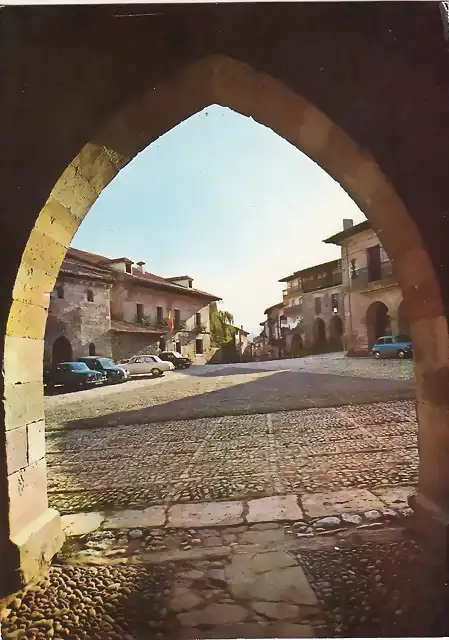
<point x="399" y="346"/>
<point x="114" y="374"/>
<point x="73" y="375"/>
<point x="148" y="364"/>
<point x="179" y="361"/>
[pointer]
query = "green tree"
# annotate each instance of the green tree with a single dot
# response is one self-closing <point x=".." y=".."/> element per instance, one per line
<point x="221" y="328"/>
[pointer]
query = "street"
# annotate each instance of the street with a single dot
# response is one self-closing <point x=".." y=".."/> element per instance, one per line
<point x="253" y="500"/>
<point x="214" y="390"/>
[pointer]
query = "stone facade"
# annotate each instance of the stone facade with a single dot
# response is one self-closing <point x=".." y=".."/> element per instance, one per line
<point x="108" y="308"/>
<point x="313" y="309"/>
<point x="373" y="302"/>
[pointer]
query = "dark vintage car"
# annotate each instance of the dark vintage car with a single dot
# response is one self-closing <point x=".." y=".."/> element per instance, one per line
<point x="179" y="361"/>
<point x="107" y="366"/>
<point x="73" y="376"/>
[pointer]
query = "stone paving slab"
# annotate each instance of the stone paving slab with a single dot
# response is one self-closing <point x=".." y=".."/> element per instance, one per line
<point x="130" y="518"/>
<point x="396" y="497"/>
<point x="274" y="508"/>
<point x="205" y="514"/>
<point x="319" y="505"/>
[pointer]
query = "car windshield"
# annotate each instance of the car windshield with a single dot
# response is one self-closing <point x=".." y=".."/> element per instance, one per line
<point x="106" y="362"/>
<point x="177" y="354"/>
<point x="79" y="366"/>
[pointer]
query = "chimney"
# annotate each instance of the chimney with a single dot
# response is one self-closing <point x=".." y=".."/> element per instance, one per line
<point x="347" y="223"/>
<point x="140" y="266"/>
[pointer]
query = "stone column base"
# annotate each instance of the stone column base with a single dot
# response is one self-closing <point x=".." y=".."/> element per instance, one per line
<point x="31" y="550"/>
<point x="431" y="522"/>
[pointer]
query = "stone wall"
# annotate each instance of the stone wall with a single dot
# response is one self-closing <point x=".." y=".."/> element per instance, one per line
<point x="128" y="344"/>
<point x="124" y="307"/>
<point x="310" y="316"/>
<point x="357" y="302"/>
<point x="80" y="321"/>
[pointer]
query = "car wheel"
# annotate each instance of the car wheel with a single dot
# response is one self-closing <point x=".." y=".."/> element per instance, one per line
<point x="376" y="354"/>
<point x="156" y="373"/>
<point x="401" y="354"/>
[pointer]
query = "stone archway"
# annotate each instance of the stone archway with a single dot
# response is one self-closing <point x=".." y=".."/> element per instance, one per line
<point x="217" y="79"/>
<point x="297" y="345"/>
<point x="336" y="331"/>
<point x="319" y="333"/>
<point x="62" y="350"/>
<point x="377" y="322"/>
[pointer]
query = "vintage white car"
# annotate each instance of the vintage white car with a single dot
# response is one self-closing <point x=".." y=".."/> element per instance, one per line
<point x="139" y="365"/>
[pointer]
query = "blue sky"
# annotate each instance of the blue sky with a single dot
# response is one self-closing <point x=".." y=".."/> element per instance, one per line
<point x="225" y="200"/>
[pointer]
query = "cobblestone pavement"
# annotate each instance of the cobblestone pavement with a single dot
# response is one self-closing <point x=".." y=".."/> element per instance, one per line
<point x="343" y="585"/>
<point x="261" y="525"/>
<point x="214" y="390"/>
<point x="229" y="458"/>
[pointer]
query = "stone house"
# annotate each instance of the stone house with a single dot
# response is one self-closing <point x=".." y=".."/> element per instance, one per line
<point x="313" y="308"/>
<point x="109" y="307"/>
<point x="273" y="328"/>
<point x="372" y="297"/>
<point x="243" y="345"/>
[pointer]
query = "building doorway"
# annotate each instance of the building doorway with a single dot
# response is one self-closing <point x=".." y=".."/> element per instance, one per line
<point x="62" y="350"/>
<point x="319" y="333"/>
<point x="377" y="322"/>
<point x="336" y="331"/>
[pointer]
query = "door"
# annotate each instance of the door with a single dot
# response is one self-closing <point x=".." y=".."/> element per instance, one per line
<point x="374" y="264"/>
<point x="388" y="348"/>
<point x="137" y="366"/>
<point x="151" y="363"/>
<point x="379" y="345"/>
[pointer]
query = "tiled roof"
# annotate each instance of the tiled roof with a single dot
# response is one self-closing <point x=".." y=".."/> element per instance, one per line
<point x="347" y="233"/>
<point x="72" y="265"/>
<point x="151" y="278"/>
<point x="278" y="305"/>
<point x="129" y="327"/>
<point x="136" y="274"/>
<point x="307" y="270"/>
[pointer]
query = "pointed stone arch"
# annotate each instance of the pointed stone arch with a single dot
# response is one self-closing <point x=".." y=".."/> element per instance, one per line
<point x="222" y="80"/>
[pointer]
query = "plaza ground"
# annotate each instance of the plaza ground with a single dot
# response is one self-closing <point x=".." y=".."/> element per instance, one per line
<point x="258" y="500"/>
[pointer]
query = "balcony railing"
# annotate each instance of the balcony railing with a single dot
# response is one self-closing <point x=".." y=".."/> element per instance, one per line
<point x="366" y="278"/>
<point x="290" y="291"/>
<point x="331" y="280"/>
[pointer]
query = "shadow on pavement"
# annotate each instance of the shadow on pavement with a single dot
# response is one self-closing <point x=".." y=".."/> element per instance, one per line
<point x="281" y="391"/>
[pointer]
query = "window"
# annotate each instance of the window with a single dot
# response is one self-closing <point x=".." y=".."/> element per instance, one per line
<point x="199" y="347"/>
<point x="374" y="263"/>
<point x="139" y="312"/>
<point x="60" y="291"/>
<point x="380" y="341"/>
<point x="139" y="360"/>
<point x="334" y="302"/>
<point x="317" y="306"/>
<point x="128" y="268"/>
<point x="178" y="346"/>
<point x="150" y="359"/>
<point x="90" y="296"/>
<point x="198" y="319"/>
<point x="92" y="349"/>
<point x="177" y="318"/>
<point x="388" y="340"/>
<point x="159" y="315"/>
<point x="190" y="284"/>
